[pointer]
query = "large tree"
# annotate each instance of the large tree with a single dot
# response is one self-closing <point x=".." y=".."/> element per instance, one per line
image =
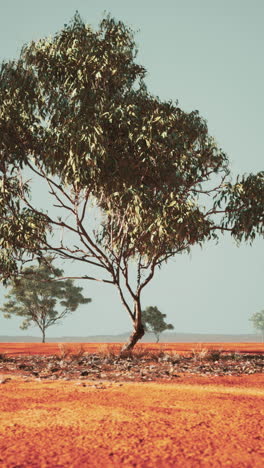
<point x="75" y="112"/>
<point x="40" y="299"/>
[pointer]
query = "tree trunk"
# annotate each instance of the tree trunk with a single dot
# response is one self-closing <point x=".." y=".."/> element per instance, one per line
<point x="138" y="331"/>
<point x="43" y="336"/>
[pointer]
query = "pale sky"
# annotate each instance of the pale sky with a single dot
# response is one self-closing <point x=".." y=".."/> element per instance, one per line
<point x="208" y="55"/>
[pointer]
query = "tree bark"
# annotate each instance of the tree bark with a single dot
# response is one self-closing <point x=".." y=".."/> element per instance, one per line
<point x="43" y="336"/>
<point x="138" y="331"/>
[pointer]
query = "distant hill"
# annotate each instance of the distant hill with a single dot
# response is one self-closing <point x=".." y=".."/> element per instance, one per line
<point x="164" y="338"/>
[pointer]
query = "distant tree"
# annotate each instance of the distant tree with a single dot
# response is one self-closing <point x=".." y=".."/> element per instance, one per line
<point x="75" y="113"/>
<point x="258" y="322"/>
<point x="153" y="321"/>
<point x="37" y="295"/>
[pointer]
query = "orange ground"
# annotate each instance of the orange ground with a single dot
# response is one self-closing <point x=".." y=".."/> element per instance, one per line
<point x="195" y="422"/>
<point x="55" y="348"/>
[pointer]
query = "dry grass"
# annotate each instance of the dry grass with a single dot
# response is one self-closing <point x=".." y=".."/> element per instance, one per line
<point x="201" y="353"/>
<point x="113" y="351"/>
<point x="3" y="357"/>
<point x="109" y="350"/>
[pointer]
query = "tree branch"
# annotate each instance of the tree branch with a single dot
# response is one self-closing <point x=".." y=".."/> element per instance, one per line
<point x="132" y="315"/>
<point x="84" y="277"/>
<point x="49" y="180"/>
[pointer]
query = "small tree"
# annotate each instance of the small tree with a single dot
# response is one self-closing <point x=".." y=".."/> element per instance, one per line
<point x="36" y="295"/>
<point x="258" y="322"/>
<point x="153" y="321"/>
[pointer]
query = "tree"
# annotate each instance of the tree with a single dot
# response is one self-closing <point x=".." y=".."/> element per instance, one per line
<point x="76" y="113"/>
<point x="153" y="321"/>
<point x="37" y="295"/>
<point x="258" y="322"/>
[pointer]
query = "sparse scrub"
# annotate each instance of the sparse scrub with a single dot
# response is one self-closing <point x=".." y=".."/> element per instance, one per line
<point x="175" y="357"/>
<point x="136" y="353"/>
<point x="65" y="350"/>
<point x="109" y="350"/>
<point x="235" y="356"/>
<point x="199" y="353"/>
<point x="3" y="357"/>
<point x="78" y="353"/>
<point x="214" y="354"/>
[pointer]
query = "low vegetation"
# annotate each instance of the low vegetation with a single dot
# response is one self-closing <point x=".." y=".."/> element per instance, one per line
<point x="110" y="363"/>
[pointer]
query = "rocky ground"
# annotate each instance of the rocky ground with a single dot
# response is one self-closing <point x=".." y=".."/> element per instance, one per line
<point x="136" y="366"/>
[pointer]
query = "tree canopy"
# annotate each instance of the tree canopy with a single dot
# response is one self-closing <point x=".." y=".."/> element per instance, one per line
<point x="40" y="298"/>
<point x="153" y="321"/>
<point x="75" y="112"/>
<point x="258" y="322"/>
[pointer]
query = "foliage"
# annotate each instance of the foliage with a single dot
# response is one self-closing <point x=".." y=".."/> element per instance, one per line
<point x="258" y="321"/>
<point x="245" y="208"/>
<point x="75" y="112"/>
<point x="21" y="228"/>
<point x="37" y="294"/>
<point x="153" y="321"/>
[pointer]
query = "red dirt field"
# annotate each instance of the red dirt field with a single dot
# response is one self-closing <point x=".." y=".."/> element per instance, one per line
<point x="195" y="422"/>
<point x="55" y="348"/>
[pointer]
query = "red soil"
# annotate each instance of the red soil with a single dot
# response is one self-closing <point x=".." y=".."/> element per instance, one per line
<point x="56" y="348"/>
<point x="195" y="422"/>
